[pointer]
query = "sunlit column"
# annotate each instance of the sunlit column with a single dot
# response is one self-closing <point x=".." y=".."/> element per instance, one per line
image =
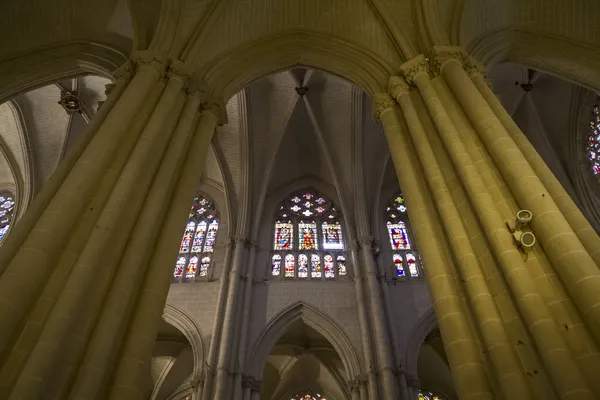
<point x="510" y="374"/>
<point x="463" y="354"/>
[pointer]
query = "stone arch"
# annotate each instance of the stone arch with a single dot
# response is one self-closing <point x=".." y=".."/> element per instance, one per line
<point x="554" y="55"/>
<point x="423" y="326"/>
<point x="232" y="71"/>
<point x="317" y="320"/>
<point x="189" y="327"/>
<point x="55" y="63"/>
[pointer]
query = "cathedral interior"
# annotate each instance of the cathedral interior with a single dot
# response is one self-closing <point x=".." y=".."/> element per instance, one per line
<point x="300" y="199"/>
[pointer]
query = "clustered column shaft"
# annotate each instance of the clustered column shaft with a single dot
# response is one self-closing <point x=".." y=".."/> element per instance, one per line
<point x="476" y="144"/>
<point x="123" y="176"/>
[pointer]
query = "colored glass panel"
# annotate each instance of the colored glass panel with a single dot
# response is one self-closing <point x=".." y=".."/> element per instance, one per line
<point x="398" y="236"/>
<point x="411" y="261"/>
<point x="7" y="207"/>
<point x="307" y="236"/>
<point x="187" y="237"/>
<point x="211" y="236"/>
<point x="191" y="268"/>
<point x="341" y="264"/>
<point x="332" y="236"/>
<point x="284" y="234"/>
<point x="276" y="265"/>
<point x="179" y="266"/>
<point x="204" y="266"/>
<point x="329" y="268"/>
<point x="290" y="266"/>
<point x="302" y="266"/>
<point x="422" y="395"/>
<point x="199" y="237"/>
<point x="593" y="144"/>
<point x="398" y="264"/>
<point x="315" y="266"/>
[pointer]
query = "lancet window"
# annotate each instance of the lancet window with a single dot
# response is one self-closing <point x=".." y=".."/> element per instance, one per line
<point x="7" y="207"/>
<point x="307" y="239"/>
<point x="593" y="146"/>
<point x="198" y="242"/>
<point x="405" y="258"/>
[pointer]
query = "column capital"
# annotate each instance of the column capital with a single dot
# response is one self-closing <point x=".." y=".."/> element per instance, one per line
<point x="397" y="85"/>
<point x="248" y="382"/>
<point x="124" y="72"/>
<point x="442" y="54"/>
<point x="415" y="67"/>
<point x="197" y="382"/>
<point x="473" y="67"/>
<point x="356" y="384"/>
<point x="382" y="102"/>
<point x="413" y="381"/>
<point x="157" y="61"/>
<point x="217" y="108"/>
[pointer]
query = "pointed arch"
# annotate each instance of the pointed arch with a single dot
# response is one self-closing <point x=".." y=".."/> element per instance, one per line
<point x="191" y="330"/>
<point x="317" y="320"/>
<point x="424" y="325"/>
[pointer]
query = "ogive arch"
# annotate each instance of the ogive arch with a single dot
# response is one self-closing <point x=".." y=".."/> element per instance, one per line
<point x="188" y="326"/>
<point x="232" y="71"/>
<point x="423" y="327"/>
<point x="316" y="320"/>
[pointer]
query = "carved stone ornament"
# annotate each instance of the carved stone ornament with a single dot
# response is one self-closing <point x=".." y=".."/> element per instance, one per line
<point x="249" y="382"/>
<point x="473" y="67"/>
<point x="397" y="86"/>
<point x="155" y="60"/>
<point x="382" y="102"/>
<point x="125" y="71"/>
<point x="412" y="68"/>
<point x="70" y="102"/>
<point x="442" y="54"/>
<point x="216" y="109"/>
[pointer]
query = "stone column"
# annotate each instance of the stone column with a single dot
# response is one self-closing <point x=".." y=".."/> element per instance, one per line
<point x="382" y="340"/>
<point x="363" y="322"/>
<point x="223" y="381"/>
<point x="132" y="369"/>
<point x="121" y="299"/>
<point x="572" y="262"/>
<point x="580" y="225"/>
<point x="462" y="350"/>
<point x="218" y="324"/>
<point x="496" y="343"/>
<point x="244" y="331"/>
<point x="414" y="385"/>
<point x="20" y="231"/>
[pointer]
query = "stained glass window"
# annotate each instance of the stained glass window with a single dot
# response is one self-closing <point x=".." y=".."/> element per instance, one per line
<point x="276" y="265"/>
<point x="308" y="396"/>
<point x="329" y="269"/>
<point x="302" y="266"/>
<point x="341" y="264"/>
<point x="307" y="236"/>
<point x="404" y="255"/>
<point x="308" y="227"/>
<point x="332" y="236"/>
<point x="593" y="145"/>
<point x="290" y="267"/>
<point x="198" y="242"/>
<point x="315" y="266"/>
<point x="7" y="208"/>
<point x="423" y="395"/>
<point x="284" y="235"/>
<point x="398" y="264"/>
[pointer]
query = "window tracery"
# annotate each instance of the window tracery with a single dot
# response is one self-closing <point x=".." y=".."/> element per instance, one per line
<point x="198" y="242"/>
<point x="307" y="239"/>
<point x="593" y="146"/>
<point x="405" y="258"/>
<point x="7" y="208"/>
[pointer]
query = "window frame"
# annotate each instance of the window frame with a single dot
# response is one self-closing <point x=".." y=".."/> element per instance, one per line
<point x="295" y="221"/>
<point x="11" y="218"/>
<point x="401" y="216"/>
<point x="211" y="206"/>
